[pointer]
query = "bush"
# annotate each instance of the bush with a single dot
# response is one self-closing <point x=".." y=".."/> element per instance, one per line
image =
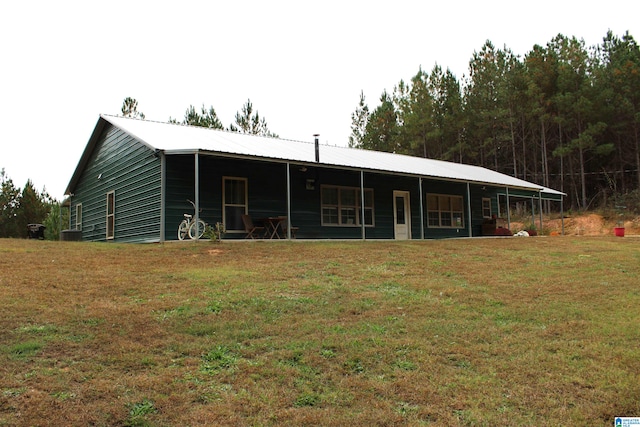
<point x="215" y="233"/>
<point x="503" y="232"/>
<point x="54" y="222"/>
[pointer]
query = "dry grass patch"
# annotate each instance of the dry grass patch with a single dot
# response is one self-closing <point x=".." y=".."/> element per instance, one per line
<point x="539" y="331"/>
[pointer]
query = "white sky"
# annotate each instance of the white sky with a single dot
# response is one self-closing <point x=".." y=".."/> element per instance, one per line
<point x="302" y="64"/>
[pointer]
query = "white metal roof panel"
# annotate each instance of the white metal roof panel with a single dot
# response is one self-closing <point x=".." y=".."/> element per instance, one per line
<point x="175" y="138"/>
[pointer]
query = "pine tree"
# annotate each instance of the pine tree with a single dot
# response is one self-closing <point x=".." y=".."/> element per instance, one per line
<point x="130" y="108"/>
<point x="618" y="84"/>
<point x="359" y="120"/>
<point x="251" y="123"/>
<point x="34" y="206"/>
<point x="206" y="118"/>
<point x="18" y="208"/>
<point x="9" y="207"/>
<point x="382" y="127"/>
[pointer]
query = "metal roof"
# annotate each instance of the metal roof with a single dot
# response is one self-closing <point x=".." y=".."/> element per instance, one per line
<point x="176" y="138"/>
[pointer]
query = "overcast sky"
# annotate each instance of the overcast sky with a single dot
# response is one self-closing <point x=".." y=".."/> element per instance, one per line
<point x="302" y="64"/>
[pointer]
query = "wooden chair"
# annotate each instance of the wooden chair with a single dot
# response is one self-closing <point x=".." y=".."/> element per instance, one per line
<point x="293" y="229"/>
<point x="253" y="231"/>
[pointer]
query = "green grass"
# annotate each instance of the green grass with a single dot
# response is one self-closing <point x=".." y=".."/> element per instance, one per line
<point x="527" y="332"/>
<point x="24" y="350"/>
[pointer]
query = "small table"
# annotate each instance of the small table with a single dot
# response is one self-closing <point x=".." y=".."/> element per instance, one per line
<point x="273" y="226"/>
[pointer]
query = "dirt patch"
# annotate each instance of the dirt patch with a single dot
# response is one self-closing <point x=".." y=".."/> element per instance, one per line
<point x="587" y="225"/>
<point x="584" y="225"/>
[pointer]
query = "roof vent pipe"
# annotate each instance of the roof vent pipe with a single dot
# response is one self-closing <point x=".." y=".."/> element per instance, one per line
<point x="316" y="136"/>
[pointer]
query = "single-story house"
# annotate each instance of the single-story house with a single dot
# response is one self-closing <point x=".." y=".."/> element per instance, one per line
<point x="135" y="178"/>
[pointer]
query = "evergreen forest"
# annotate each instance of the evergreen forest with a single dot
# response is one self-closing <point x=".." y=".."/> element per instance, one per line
<point x="565" y="116"/>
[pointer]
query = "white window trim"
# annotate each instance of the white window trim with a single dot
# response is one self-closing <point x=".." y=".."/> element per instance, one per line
<point x="487" y="200"/>
<point x="357" y="206"/>
<point x="111" y="236"/>
<point x="79" y="216"/>
<point x="224" y="203"/>
<point x="452" y="226"/>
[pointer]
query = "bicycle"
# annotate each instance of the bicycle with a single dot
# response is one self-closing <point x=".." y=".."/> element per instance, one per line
<point x="188" y="225"/>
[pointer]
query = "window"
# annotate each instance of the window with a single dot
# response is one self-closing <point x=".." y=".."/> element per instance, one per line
<point x="445" y="211"/>
<point x="486" y="208"/>
<point x="79" y="216"/>
<point x="341" y="206"/>
<point x="401" y="218"/>
<point x="234" y="196"/>
<point x="111" y="205"/>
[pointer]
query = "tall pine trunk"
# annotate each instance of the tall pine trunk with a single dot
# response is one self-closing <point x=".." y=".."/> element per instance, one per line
<point x="583" y="178"/>
<point x="636" y="135"/>
<point x="524" y="151"/>
<point x="561" y="158"/>
<point x="583" y="173"/>
<point x="543" y="152"/>
<point x="513" y="144"/>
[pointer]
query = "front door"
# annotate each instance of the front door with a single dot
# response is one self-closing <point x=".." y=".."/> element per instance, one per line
<point x="401" y="215"/>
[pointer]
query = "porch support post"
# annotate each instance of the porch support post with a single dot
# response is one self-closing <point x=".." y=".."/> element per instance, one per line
<point x="540" y="210"/>
<point x="163" y="195"/>
<point x="70" y="209"/>
<point x="508" y="210"/>
<point x="533" y="211"/>
<point x="197" y="193"/>
<point x="288" y="201"/>
<point x="562" y="213"/>
<point x="421" y="209"/>
<point x="364" y="237"/>
<point x="470" y="222"/>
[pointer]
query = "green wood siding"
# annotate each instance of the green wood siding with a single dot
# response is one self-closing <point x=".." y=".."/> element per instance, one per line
<point x="121" y="164"/>
<point x="430" y="186"/>
<point x="384" y="186"/>
<point x="479" y="192"/>
<point x="266" y="185"/>
<point x="267" y="195"/>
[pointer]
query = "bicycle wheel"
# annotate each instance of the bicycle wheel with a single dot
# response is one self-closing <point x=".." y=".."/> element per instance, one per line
<point x="183" y="229"/>
<point x="192" y="229"/>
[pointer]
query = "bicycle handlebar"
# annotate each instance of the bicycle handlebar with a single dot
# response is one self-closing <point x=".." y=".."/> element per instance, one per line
<point x="194" y="205"/>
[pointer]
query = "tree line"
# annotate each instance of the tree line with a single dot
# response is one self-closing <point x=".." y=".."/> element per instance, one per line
<point x="247" y="121"/>
<point x="565" y="116"/>
<point x="20" y="207"/>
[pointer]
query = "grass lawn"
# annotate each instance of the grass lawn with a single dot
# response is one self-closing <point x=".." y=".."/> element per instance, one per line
<point x="489" y="332"/>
